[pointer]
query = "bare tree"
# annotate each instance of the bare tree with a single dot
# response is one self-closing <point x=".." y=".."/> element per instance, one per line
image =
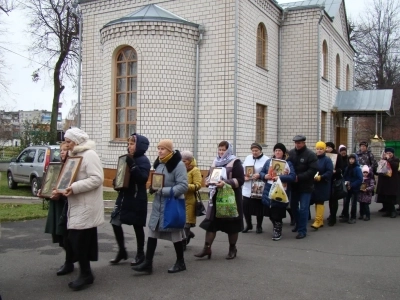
<point x="6" y="6"/>
<point x="376" y="39"/>
<point x="55" y="30"/>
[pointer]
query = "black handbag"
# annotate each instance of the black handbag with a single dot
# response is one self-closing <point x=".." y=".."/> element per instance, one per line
<point x="339" y="190"/>
<point x="200" y="209"/>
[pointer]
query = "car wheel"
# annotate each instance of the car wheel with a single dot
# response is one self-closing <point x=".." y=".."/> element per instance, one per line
<point x="11" y="183"/>
<point x="34" y="186"/>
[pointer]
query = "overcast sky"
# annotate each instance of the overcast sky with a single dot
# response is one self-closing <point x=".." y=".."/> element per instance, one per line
<point x="27" y="95"/>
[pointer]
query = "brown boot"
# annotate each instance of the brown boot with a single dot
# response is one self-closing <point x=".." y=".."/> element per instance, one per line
<point x="205" y="252"/>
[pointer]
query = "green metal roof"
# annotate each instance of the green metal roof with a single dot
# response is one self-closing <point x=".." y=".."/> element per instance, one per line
<point x="151" y="13"/>
<point x="364" y="102"/>
<point x="331" y="6"/>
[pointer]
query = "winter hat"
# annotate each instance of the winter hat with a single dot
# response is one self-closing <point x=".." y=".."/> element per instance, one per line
<point x="320" y="145"/>
<point x="256" y="145"/>
<point x="281" y="147"/>
<point x="363" y="143"/>
<point x="167" y="144"/>
<point x="389" y="149"/>
<point x="78" y="136"/>
<point x="330" y="144"/>
<point x="365" y="168"/>
<point x="342" y="147"/>
<point x="353" y="156"/>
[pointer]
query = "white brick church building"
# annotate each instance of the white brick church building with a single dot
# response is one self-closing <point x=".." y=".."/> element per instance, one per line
<point x="202" y="71"/>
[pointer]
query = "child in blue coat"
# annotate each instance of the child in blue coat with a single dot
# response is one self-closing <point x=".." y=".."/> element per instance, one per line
<point x="353" y="178"/>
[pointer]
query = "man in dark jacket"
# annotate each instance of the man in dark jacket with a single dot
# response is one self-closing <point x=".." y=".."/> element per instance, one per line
<point x="365" y="157"/>
<point x="305" y="163"/>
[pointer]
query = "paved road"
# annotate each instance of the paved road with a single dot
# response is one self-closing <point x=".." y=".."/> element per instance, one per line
<point x="359" y="261"/>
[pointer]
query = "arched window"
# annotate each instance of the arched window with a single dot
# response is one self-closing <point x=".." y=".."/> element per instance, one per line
<point x="262" y="46"/>
<point x="325" y="60"/>
<point x="338" y="71"/>
<point x="125" y="93"/>
<point x="347" y="78"/>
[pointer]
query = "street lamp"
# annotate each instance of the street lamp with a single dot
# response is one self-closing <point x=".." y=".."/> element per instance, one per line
<point x="78" y="13"/>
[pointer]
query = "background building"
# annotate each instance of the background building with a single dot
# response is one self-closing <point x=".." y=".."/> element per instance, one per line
<point x="203" y="71"/>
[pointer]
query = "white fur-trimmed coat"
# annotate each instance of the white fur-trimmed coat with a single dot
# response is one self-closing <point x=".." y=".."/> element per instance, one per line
<point x="85" y="205"/>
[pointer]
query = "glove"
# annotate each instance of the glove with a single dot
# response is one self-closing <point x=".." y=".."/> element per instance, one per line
<point x="130" y="161"/>
<point x="317" y="178"/>
<point x="152" y="191"/>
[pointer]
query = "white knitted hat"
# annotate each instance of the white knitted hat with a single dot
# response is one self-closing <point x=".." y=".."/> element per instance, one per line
<point x="78" y="136"/>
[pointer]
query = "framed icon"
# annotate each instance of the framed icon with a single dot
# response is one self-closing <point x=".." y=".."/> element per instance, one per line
<point x="363" y="186"/>
<point x="123" y="174"/>
<point x="50" y="180"/>
<point x="215" y="175"/>
<point x="333" y="157"/>
<point x="157" y="181"/>
<point x="68" y="173"/>
<point x="249" y="171"/>
<point x="278" y="166"/>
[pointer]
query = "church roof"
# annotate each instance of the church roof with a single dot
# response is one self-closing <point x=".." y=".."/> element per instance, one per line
<point x="331" y="6"/>
<point x="152" y="13"/>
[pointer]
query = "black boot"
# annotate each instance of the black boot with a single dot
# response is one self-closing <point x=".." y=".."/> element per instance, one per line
<point x="122" y="255"/>
<point x="145" y="267"/>
<point x="232" y="252"/>
<point x="66" y="268"/>
<point x="190" y="236"/>
<point x="85" y="277"/>
<point x="139" y="258"/>
<point x="119" y="237"/>
<point x="249" y="225"/>
<point x="179" y="266"/>
<point x="277" y="231"/>
<point x="332" y="221"/>
<point x="81" y="282"/>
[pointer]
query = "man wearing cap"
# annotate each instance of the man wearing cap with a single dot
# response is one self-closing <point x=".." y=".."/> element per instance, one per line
<point x="305" y="163"/>
<point x="365" y="157"/>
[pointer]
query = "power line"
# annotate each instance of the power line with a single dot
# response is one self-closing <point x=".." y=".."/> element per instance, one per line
<point x="27" y="58"/>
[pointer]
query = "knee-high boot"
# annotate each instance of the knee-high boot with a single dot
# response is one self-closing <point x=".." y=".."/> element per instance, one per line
<point x="119" y="236"/>
<point x="319" y="216"/>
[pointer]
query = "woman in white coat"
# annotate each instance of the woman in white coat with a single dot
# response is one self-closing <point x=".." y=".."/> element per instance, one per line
<point x="85" y="204"/>
<point x="253" y="187"/>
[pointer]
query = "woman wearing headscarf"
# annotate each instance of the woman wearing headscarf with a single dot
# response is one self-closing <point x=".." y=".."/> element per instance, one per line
<point x="387" y="186"/>
<point x="56" y="223"/>
<point x="170" y="165"/>
<point x="337" y="174"/>
<point x="252" y="205"/>
<point x="194" y="184"/>
<point x="322" y="184"/>
<point x="85" y="204"/>
<point x="277" y="210"/>
<point x="131" y="204"/>
<point x="234" y="176"/>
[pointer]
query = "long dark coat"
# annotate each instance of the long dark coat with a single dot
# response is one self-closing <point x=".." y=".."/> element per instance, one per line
<point x="322" y="188"/>
<point x="235" y="179"/>
<point x="133" y="200"/>
<point x="54" y="226"/>
<point x="387" y="186"/>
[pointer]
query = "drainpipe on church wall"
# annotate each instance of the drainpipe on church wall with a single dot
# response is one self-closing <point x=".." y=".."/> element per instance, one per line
<point x="319" y="75"/>
<point x="235" y="100"/>
<point x="196" y="100"/>
<point x="280" y="75"/>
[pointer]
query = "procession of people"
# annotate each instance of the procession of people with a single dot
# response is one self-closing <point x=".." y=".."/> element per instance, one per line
<point x="287" y="181"/>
